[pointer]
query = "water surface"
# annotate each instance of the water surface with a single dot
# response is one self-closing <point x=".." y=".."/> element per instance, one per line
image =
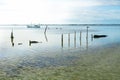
<point x="56" y="40"/>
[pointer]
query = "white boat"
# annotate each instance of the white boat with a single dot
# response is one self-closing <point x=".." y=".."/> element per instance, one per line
<point x="33" y="26"/>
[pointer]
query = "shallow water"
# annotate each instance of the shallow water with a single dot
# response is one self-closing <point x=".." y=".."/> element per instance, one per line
<point x="20" y="48"/>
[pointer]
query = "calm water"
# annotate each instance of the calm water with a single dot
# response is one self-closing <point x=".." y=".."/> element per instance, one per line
<point x="52" y="42"/>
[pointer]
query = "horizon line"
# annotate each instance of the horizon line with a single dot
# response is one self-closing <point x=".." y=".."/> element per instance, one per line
<point x="61" y="24"/>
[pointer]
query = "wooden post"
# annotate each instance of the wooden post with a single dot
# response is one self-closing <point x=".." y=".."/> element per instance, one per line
<point x="12" y="38"/>
<point x="68" y="39"/>
<point x="80" y="38"/>
<point x="12" y="34"/>
<point x="75" y="39"/>
<point x="87" y="38"/>
<point x="62" y="40"/>
<point x="45" y="29"/>
<point x="87" y="32"/>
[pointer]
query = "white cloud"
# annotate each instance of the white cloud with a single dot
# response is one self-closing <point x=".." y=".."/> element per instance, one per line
<point x="110" y="2"/>
<point x="95" y="16"/>
<point x="51" y="11"/>
<point x="38" y="11"/>
<point x="1" y="2"/>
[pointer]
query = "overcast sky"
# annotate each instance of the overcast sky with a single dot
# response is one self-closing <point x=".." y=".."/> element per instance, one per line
<point x="59" y="11"/>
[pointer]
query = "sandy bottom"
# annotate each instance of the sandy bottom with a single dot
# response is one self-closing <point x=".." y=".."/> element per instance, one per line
<point x="100" y="63"/>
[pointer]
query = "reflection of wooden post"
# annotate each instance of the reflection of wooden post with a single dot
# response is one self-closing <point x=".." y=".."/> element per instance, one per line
<point x="45" y="37"/>
<point x="45" y="33"/>
<point x="87" y="43"/>
<point x="75" y="39"/>
<point x="87" y="32"/>
<point x="45" y="29"/>
<point x="12" y="41"/>
<point x="62" y="40"/>
<point x="68" y="39"/>
<point x="91" y="37"/>
<point x="87" y="38"/>
<point x="80" y="37"/>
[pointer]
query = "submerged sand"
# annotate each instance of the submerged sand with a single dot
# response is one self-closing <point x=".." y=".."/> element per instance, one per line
<point x="100" y="63"/>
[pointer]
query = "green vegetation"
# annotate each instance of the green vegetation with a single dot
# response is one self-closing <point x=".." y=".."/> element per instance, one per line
<point x="101" y="64"/>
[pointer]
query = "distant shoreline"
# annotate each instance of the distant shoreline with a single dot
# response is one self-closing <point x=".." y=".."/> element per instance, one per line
<point x="62" y="24"/>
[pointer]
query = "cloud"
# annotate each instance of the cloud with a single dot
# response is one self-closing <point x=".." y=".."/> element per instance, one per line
<point x="110" y="2"/>
<point x="57" y="11"/>
<point x="36" y="11"/>
<point x="107" y="2"/>
<point x="1" y="2"/>
<point x="94" y="16"/>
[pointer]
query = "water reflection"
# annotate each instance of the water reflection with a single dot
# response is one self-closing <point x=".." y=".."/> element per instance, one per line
<point x="75" y="39"/>
<point x="45" y="33"/>
<point x="87" y="38"/>
<point x="92" y="37"/>
<point x="72" y="40"/>
<point x="62" y="40"/>
<point x="12" y="41"/>
<point x="66" y="40"/>
<point x="37" y="43"/>
<point x="46" y="37"/>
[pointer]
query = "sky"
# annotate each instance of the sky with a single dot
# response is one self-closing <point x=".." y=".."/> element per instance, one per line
<point x="59" y="11"/>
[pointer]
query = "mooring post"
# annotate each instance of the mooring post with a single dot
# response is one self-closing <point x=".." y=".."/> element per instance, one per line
<point x="87" y="38"/>
<point x="80" y="38"/>
<point x="45" y="29"/>
<point x="62" y="40"/>
<point x="12" y="38"/>
<point x="75" y="39"/>
<point x="68" y="39"/>
<point x="12" y="34"/>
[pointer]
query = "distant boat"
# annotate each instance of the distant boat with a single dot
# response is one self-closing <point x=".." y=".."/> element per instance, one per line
<point x="33" y="26"/>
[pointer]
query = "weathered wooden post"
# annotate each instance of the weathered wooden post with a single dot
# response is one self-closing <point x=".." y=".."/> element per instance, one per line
<point x="12" y="38"/>
<point x="45" y="29"/>
<point x="80" y="38"/>
<point x="87" y="38"/>
<point x="87" y="32"/>
<point x="62" y="40"/>
<point x="12" y="34"/>
<point x="75" y="39"/>
<point x="68" y="39"/>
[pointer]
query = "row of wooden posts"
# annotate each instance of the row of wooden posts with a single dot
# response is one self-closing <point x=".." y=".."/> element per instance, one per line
<point x="62" y="39"/>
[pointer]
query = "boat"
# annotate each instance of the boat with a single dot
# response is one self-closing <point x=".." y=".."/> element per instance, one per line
<point x="33" y="26"/>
